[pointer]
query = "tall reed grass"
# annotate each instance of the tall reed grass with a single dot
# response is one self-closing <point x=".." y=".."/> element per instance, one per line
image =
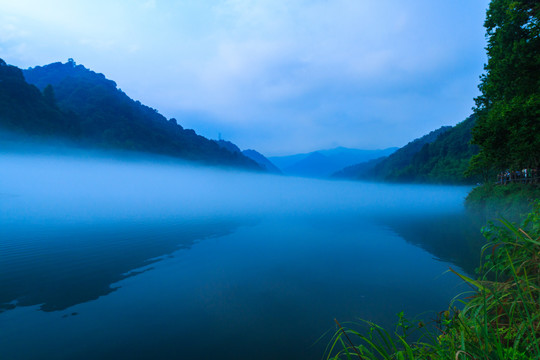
<point x="499" y="319"/>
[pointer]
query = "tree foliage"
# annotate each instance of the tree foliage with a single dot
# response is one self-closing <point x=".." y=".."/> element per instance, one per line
<point x="48" y="94"/>
<point x="444" y="160"/>
<point x="24" y="109"/>
<point x="442" y="156"/>
<point x="508" y="110"/>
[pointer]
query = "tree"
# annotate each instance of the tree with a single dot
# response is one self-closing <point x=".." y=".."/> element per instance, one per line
<point x="48" y="94"/>
<point x="508" y="110"/>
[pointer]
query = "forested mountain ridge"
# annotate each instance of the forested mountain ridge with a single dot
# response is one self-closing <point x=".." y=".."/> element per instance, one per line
<point x="261" y="160"/>
<point x="250" y="153"/>
<point x="389" y="169"/>
<point x="443" y="161"/>
<point x="86" y="107"/>
<point x="323" y="163"/>
<point x="359" y="171"/>
<point x="442" y="156"/>
<point x="25" y="110"/>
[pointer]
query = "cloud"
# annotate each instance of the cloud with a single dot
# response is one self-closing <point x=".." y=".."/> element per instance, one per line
<point x="148" y="5"/>
<point x="314" y="69"/>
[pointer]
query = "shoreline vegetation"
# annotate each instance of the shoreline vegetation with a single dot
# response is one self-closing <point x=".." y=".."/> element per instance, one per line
<point x="498" y="319"/>
<point x="511" y="201"/>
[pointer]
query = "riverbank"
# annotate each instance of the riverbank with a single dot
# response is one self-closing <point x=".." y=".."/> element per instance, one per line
<point x="511" y="201"/>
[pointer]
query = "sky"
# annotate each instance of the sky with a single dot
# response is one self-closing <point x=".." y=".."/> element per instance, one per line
<point x="278" y="76"/>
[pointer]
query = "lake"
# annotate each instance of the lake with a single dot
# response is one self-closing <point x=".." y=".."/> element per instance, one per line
<point x="145" y="259"/>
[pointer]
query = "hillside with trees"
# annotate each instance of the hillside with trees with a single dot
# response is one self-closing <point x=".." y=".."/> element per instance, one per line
<point x="254" y="155"/>
<point x="72" y="102"/>
<point x="508" y="110"/>
<point x="391" y="168"/>
<point x="324" y="163"/>
<point x="441" y="156"/>
<point x="262" y="161"/>
<point x="443" y="161"/>
<point x="26" y="111"/>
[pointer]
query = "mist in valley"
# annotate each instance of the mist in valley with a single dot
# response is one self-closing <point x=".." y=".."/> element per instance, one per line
<point x="118" y="239"/>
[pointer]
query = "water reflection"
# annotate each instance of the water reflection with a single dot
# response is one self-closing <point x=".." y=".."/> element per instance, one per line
<point x="452" y="237"/>
<point x="281" y="258"/>
<point x="61" y="267"/>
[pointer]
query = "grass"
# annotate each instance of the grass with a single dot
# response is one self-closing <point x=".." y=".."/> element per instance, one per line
<point x="499" y="319"/>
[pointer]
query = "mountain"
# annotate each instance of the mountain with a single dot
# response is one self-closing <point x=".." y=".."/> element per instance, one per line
<point x="224" y="144"/>
<point x="314" y="164"/>
<point x="283" y="162"/>
<point x="323" y="163"/>
<point x="384" y="170"/>
<point x="101" y="115"/>
<point x="259" y="158"/>
<point x="387" y="168"/>
<point x="344" y="156"/>
<point x="444" y="160"/>
<point x="262" y="161"/>
<point x="442" y="156"/>
<point x="358" y="171"/>
<point x="25" y="110"/>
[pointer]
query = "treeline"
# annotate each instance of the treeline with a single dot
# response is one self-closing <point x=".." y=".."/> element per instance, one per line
<point x="442" y="156"/>
<point x="508" y="110"/>
<point x="446" y="159"/>
<point x="24" y="109"/>
<point x="72" y="102"/>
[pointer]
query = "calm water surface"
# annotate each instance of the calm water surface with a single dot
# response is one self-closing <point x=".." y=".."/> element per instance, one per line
<point x="124" y="259"/>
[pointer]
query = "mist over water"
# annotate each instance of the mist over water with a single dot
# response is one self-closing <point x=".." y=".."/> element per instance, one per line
<point x="126" y="258"/>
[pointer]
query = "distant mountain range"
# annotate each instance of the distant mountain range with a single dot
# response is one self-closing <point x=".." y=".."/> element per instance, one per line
<point x="442" y="156"/>
<point x="324" y="163"/>
<point x="252" y="154"/>
<point x="69" y="101"/>
<point x="262" y="161"/>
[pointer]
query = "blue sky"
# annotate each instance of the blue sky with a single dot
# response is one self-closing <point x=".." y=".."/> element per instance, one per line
<point x="278" y="76"/>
